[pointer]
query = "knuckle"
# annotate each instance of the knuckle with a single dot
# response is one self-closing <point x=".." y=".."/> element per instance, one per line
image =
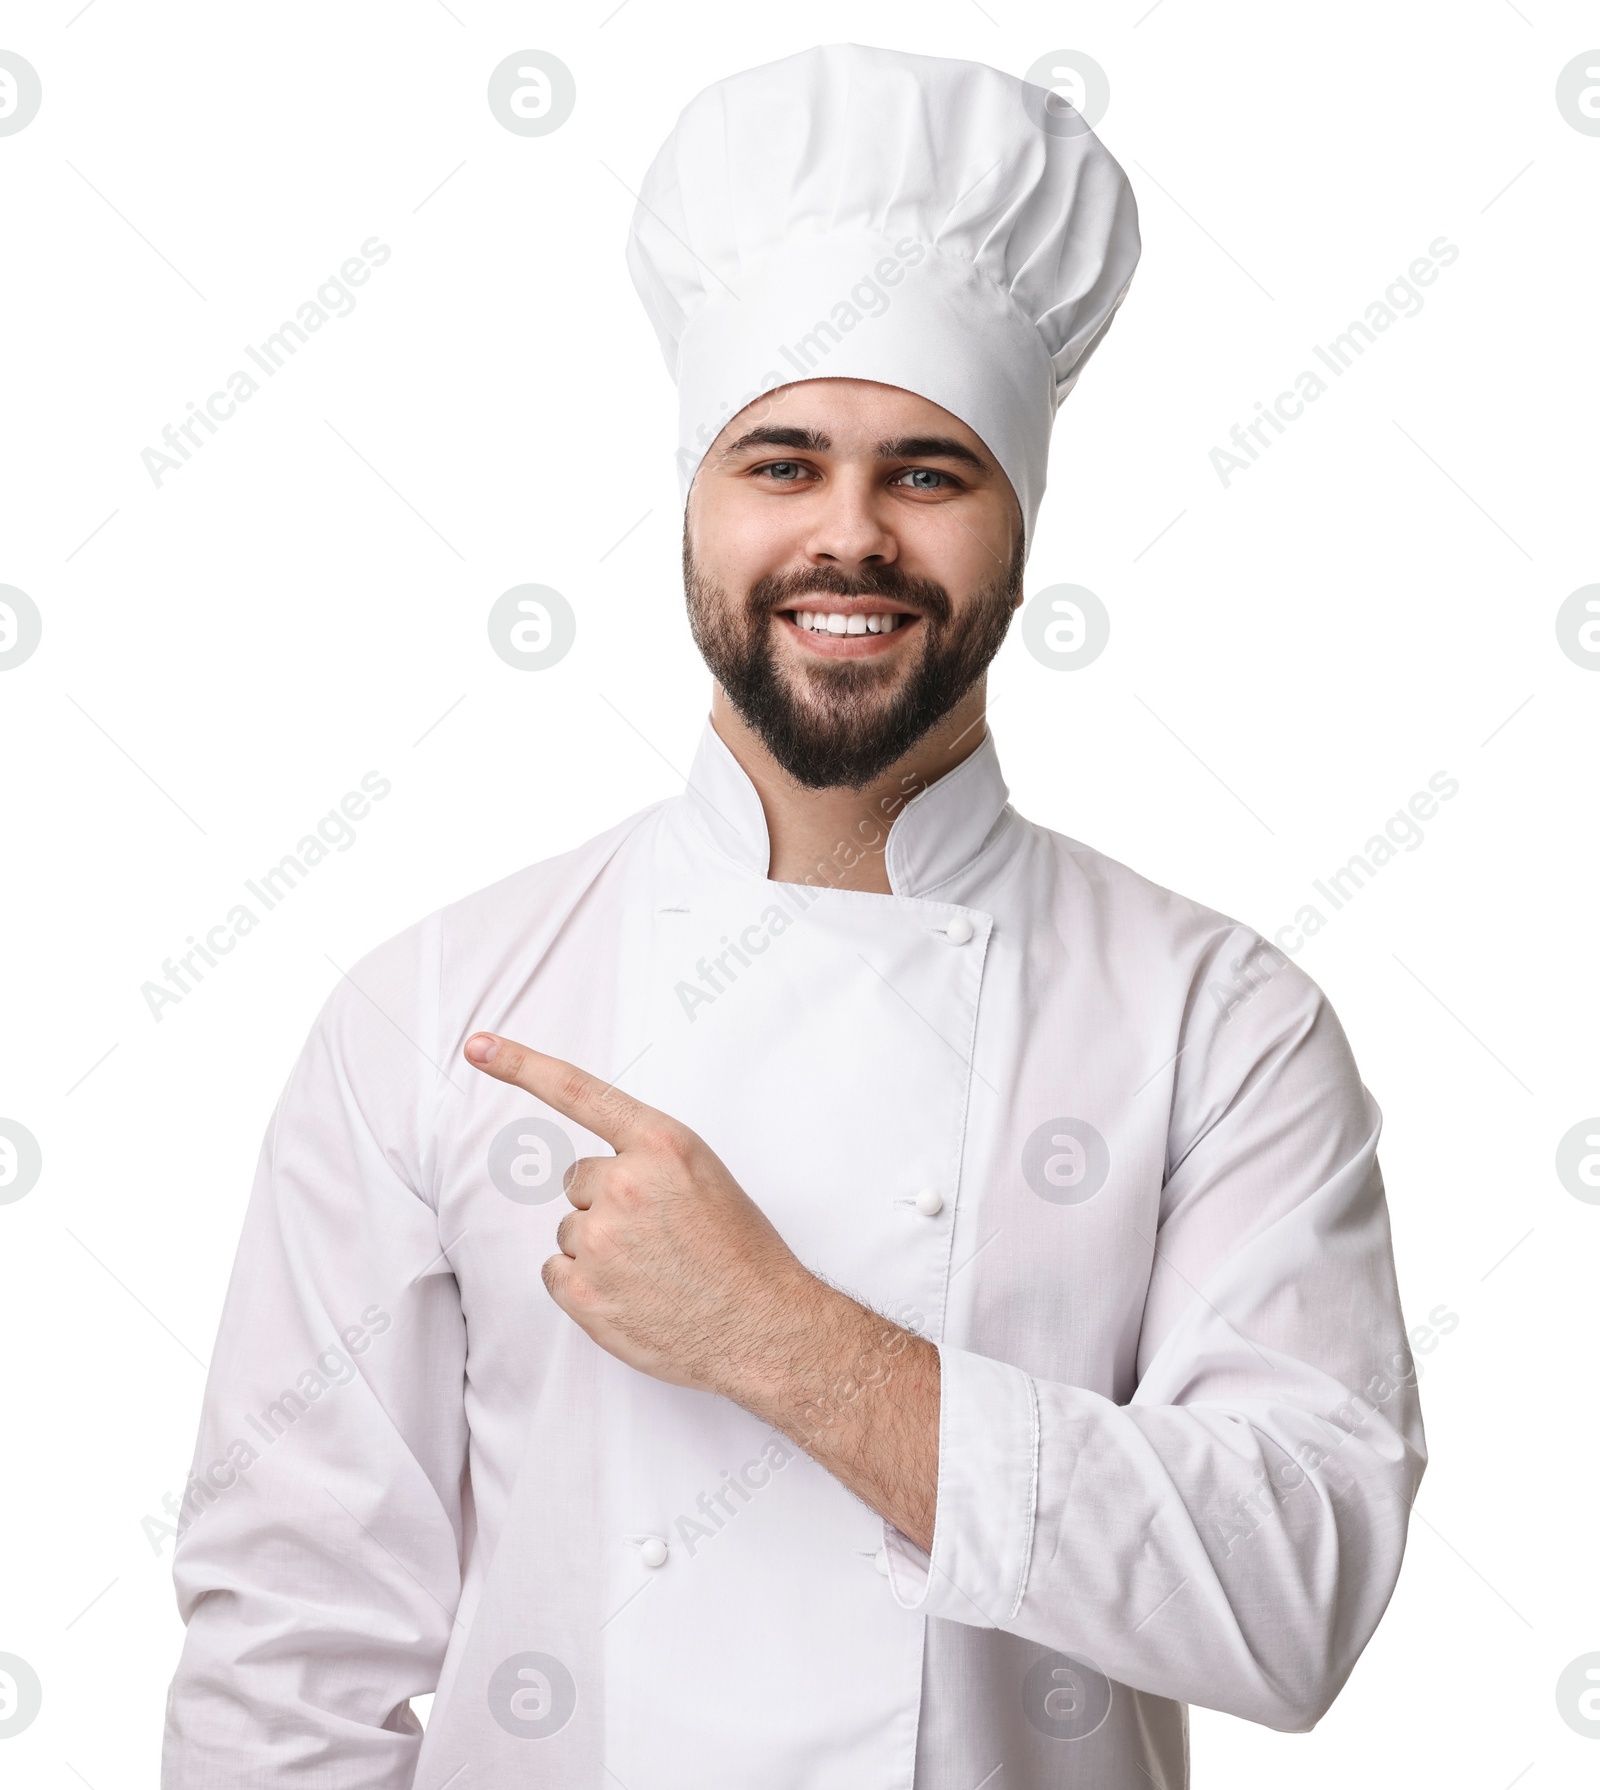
<point x="601" y="1247"/>
<point x="667" y="1141"/>
<point x="573" y="1087"/>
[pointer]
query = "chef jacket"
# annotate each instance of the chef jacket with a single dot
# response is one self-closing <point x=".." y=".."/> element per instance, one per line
<point x="1099" y="1144"/>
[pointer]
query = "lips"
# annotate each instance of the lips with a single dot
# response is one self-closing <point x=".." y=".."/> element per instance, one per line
<point x="844" y="628"/>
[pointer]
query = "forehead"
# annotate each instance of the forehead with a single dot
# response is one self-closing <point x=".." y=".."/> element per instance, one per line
<point x="854" y="414"/>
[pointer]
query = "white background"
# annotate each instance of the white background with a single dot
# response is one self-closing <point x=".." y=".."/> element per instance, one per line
<point x="1371" y="603"/>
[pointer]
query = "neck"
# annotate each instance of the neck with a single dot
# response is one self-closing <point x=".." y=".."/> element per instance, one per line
<point x="836" y="838"/>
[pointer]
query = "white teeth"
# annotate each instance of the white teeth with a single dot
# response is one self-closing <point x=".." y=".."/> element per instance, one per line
<point x="814" y="621"/>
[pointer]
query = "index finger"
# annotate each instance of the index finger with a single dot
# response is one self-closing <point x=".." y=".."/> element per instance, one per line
<point x="594" y="1104"/>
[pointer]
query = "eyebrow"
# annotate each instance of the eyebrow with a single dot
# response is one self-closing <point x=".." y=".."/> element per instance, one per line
<point x="930" y="447"/>
<point x="903" y="447"/>
<point x="805" y="441"/>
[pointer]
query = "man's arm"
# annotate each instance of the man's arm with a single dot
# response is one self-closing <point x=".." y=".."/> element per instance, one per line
<point x="319" y="1553"/>
<point x="667" y="1263"/>
<point x="1231" y="1535"/>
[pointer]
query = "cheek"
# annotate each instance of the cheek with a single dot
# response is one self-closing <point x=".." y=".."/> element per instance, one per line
<point x="965" y="547"/>
<point x="738" y="537"/>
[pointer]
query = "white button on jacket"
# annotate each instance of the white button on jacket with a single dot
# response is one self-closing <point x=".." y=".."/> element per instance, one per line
<point x="1178" y="1433"/>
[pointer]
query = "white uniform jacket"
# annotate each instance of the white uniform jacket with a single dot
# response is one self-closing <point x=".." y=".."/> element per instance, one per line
<point x="1179" y="1434"/>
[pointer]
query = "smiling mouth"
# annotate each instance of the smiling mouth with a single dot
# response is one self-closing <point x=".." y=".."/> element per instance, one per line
<point x="837" y="622"/>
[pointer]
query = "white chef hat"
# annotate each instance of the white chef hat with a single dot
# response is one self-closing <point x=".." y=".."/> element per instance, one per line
<point x="867" y="214"/>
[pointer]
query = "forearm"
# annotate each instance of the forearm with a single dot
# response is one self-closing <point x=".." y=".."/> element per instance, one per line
<point x="858" y="1393"/>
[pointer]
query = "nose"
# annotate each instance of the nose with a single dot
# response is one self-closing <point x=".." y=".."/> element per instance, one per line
<point x="849" y="529"/>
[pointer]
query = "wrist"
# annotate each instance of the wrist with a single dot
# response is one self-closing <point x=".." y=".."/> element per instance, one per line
<point x="782" y="1343"/>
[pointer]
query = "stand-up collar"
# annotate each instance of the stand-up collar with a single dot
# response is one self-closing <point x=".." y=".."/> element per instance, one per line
<point x="934" y="836"/>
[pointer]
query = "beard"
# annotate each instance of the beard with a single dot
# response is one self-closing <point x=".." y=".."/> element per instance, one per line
<point x="843" y="722"/>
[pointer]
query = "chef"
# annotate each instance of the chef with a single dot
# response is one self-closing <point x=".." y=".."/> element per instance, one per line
<point x="829" y="1284"/>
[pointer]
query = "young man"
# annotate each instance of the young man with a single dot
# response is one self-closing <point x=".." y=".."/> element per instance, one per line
<point x="828" y="1284"/>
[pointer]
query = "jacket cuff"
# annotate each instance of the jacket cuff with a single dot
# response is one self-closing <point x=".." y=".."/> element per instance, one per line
<point x="988" y="1493"/>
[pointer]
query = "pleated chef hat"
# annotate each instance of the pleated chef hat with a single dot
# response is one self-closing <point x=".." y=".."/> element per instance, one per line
<point x="867" y="214"/>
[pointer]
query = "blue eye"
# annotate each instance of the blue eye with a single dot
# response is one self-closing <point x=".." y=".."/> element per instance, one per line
<point x="924" y="478"/>
<point x="786" y="470"/>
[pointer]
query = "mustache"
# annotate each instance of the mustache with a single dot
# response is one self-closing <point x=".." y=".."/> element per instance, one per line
<point x="779" y="590"/>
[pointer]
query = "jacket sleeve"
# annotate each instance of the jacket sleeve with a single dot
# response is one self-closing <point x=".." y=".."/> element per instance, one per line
<point x="320" y="1541"/>
<point x="1231" y="1535"/>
